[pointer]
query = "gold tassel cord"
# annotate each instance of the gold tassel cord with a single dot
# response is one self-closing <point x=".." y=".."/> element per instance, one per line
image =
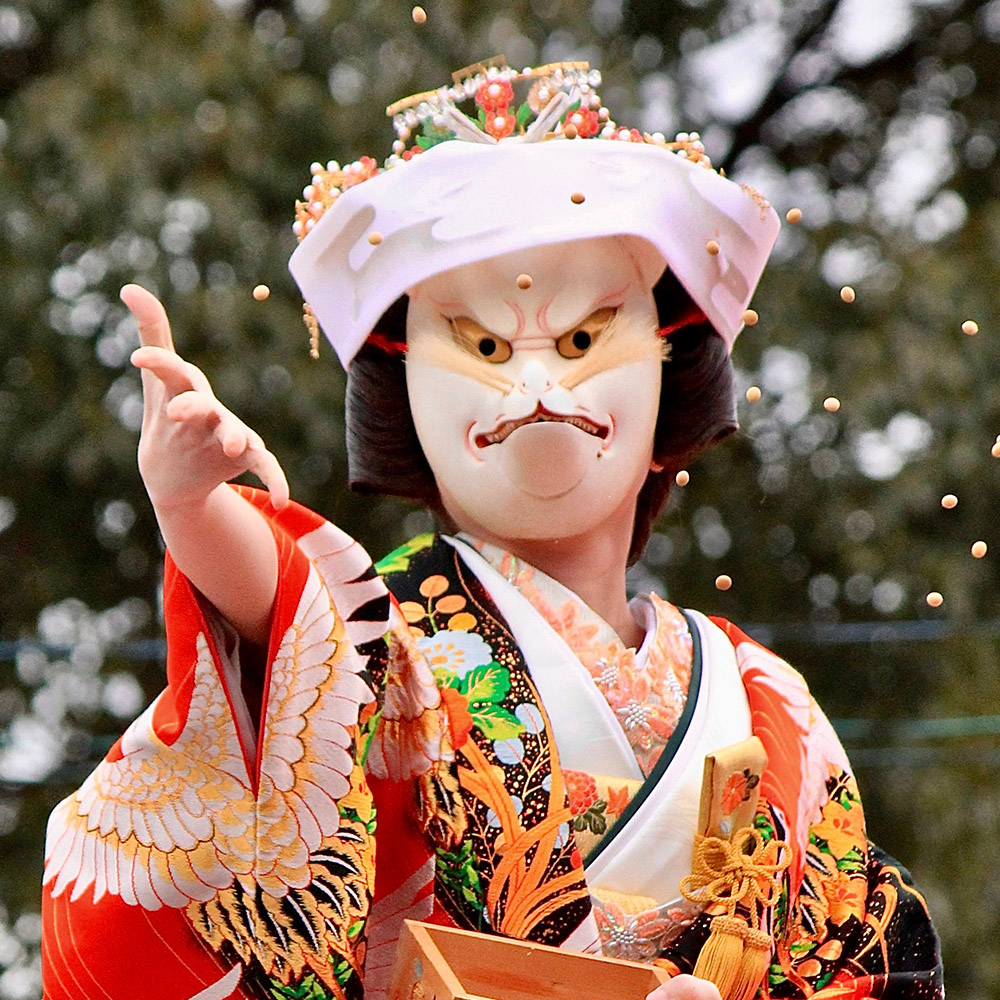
<point x="741" y="872"/>
<point x="753" y="965"/>
<point x="721" y="955"/>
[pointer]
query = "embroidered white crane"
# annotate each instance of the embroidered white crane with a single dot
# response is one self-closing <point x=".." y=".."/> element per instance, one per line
<point x="279" y="873"/>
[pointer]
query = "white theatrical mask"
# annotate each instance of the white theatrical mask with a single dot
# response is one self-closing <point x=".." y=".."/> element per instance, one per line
<point x="536" y="407"/>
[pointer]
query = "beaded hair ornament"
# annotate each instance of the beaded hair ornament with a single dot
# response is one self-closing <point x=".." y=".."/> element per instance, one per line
<point x="560" y="102"/>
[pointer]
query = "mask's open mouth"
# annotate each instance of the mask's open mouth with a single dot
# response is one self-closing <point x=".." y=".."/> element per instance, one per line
<point x="504" y="430"/>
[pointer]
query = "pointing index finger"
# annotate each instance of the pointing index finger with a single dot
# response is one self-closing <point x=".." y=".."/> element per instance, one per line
<point x="154" y="327"/>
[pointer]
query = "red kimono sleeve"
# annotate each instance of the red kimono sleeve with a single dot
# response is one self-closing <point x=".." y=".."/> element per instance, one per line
<point x="203" y="858"/>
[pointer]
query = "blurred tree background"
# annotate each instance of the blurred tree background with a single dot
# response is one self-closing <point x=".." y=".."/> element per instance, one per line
<point x="164" y="141"/>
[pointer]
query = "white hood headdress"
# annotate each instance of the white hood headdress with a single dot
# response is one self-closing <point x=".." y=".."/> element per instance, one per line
<point x="553" y="169"/>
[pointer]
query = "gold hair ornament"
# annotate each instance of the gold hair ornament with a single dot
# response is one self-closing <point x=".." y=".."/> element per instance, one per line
<point x="561" y="103"/>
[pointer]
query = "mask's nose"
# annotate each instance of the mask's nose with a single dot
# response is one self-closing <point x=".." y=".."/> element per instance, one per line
<point x="534" y="379"/>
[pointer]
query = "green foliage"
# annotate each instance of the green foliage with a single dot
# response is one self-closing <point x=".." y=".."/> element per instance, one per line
<point x="398" y="561"/>
<point x="484" y="688"/>
<point x="592" y="819"/>
<point x="457" y="872"/>
<point x="309" y="988"/>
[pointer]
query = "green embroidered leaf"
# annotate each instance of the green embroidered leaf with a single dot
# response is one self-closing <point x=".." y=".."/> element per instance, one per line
<point x="763" y="825"/>
<point x="446" y="679"/>
<point x="398" y="561"/>
<point x="495" y="722"/>
<point x="523" y="114"/>
<point x="598" y="822"/>
<point x="308" y="988"/>
<point x="489" y="682"/>
<point x="580" y="822"/>
<point x="485" y="688"/>
<point x="457" y="872"/>
<point x="342" y="972"/>
<point x="482" y="118"/>
<point x="852" y="862"/>
<point x="366" y="734"/>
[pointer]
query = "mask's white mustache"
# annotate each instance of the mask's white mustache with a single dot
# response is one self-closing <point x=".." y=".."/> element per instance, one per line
<point x="447" y="355"/>
<point x="503" y="431"/>
<point x="623" y="341"/>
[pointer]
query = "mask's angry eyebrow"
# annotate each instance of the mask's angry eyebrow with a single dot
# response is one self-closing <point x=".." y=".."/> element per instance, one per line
<point x="621" y="342"/>
<point x="445" y="353"/>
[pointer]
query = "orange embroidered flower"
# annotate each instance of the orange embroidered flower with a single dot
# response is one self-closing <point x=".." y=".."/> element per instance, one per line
<point x="648" y="723"/>
<point x="809" y="969"/>
<point x="737" y="789"/>
<point x="581" y="789"/>
<point x="842" y="829"/>
<point x="631" y="688"/>
<point x="618" y="800"/>
<point x="459" y="719"/>
<point x="635" y="937"/>
<point x="567" y="622"/>
<point x="845" y="897"/>
<point x="733" y="792"/>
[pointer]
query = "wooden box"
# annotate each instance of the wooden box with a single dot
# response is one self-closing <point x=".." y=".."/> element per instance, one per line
<point x="443" y="963"/>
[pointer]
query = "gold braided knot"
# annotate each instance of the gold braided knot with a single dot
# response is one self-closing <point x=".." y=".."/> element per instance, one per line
<point x="743" y="870"/>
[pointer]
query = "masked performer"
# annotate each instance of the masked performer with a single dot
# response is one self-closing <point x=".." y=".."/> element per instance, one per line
<point x="535" y="308"/>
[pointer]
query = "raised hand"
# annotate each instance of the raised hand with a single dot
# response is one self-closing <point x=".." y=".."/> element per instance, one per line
<point x="190" y="446"/>
<point x="190" y="442"/>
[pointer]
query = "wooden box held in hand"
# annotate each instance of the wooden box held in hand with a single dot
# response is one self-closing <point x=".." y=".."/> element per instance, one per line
<point x="443" y="963"/>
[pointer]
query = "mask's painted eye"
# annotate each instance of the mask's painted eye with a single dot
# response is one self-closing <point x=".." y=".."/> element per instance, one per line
<point x="479" y="341"/>
<point x="574" y="344"/>
<point x="578" y="341"/>
<point x="495" y="349"/>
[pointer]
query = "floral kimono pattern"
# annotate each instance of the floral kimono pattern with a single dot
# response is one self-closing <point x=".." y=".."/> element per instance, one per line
<point x="240" y="861"/>
<point x="849" y="922"/>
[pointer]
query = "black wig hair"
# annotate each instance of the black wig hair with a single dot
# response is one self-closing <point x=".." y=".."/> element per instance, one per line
<point x="697" y="408"/>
